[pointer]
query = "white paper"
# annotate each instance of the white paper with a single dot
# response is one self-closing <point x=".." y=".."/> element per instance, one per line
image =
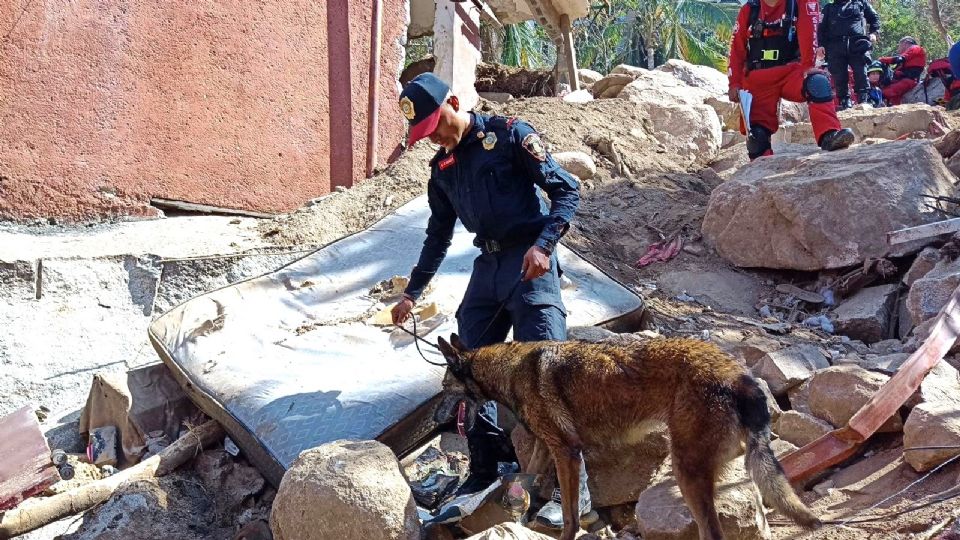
<point x="745" y="100"/>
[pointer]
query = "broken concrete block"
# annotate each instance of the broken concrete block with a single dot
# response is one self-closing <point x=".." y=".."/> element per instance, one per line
<point x="888" y="363"/>
<point x="578" y="163"/>
<point x="792" y="210"/>
<point x="931" y="424"/>
<point x="786" y="368"/>
<point x="866" y="315"/>
<point x="922" y="265"/>
<point x="345" y="490"/>
<point x="663" y="514"/>
<point x="931" y="292"/>
<point x="838" y="392"/>
<point x="781" y="447"/>
<point x="801" y="429"/>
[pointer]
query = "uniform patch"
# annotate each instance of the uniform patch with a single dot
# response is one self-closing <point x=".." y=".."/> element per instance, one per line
<point x="533" y="145"/>
<point x="812" y="7"/>
<point x="406" y="106"/>
<point x="490" y="141"/>
<point x="446" y="162"/>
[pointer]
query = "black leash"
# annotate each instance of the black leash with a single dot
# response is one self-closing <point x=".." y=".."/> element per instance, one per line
<point x="417" y="339"/>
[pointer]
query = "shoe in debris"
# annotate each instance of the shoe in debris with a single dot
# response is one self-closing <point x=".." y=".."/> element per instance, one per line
<point x="551" y="515"/>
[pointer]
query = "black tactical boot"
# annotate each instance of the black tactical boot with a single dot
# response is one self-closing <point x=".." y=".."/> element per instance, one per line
<point x="837" y="139"/>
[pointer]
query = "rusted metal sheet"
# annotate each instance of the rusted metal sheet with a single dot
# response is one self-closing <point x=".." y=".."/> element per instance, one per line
<point x="25" y="467"/>
<point x="842" y="443"/>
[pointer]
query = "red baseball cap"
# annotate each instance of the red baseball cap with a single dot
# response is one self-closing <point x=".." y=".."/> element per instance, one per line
<point x="420" y="103"/>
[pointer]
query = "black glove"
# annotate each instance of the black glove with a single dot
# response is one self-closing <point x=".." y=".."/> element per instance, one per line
<point x="898" y="59"/>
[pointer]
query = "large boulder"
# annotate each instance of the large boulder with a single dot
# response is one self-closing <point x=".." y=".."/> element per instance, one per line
<point x="930" y="293"/>
<point x="345" y="490"/>
<point x="884" y="123"/>
<point x="800" y="428"/>
<point x="690" y="131"/>
<point x="663" y="88"/>
<point x="931" y="424"/>
<point x="835" y="394"/>
<point x="793" y="210"/>
<point x="705" y="77"/>
<point x="588" y="76"/>
<point x="662" y="513"/>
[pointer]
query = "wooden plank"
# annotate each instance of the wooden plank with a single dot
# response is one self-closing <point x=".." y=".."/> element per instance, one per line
<point x="183" y="206"/>
<point x="25" y="469"/>
<point x="842" y="443"/>
<point x="923" y="231"/>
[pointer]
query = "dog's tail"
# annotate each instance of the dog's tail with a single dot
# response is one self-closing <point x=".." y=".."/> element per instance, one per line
<point x="764" y="469"/>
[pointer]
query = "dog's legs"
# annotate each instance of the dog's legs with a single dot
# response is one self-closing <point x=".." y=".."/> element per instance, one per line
<point x="567" y="460"/>
<point x="695" y="444"/>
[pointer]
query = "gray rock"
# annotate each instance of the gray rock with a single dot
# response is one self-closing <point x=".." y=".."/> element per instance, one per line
<point x="835" y="394"/>
<point x="578" y="163"/>
<point x="786" y="368"/>
<point x="866" y="315"/>
<point x="931" y="424"/>
<point x="792" y="210"/>
<point x="926" y="260"/>
<point x="801" y="429"/>
<point x="345" y="490"/>
<point x="931" y="292"/>
<point x="662" y="513"/>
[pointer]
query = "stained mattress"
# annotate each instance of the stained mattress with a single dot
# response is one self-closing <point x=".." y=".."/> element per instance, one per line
<point x="287" y="361"/>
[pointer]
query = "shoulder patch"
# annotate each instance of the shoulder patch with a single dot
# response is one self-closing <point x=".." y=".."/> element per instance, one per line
<point x="534" y="146"/>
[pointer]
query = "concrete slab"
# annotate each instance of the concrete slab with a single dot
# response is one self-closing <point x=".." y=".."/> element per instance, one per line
<point x="168" y="238"/>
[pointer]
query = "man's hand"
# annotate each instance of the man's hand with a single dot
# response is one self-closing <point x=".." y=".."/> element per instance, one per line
<point x="734" y="94"/>
<point x="402" y="310"/>
<point x="536" y="263"/>
<point x="873" y="38"/>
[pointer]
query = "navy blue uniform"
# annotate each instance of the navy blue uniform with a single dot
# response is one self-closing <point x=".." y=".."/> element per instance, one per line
<point x="490" y="181"/>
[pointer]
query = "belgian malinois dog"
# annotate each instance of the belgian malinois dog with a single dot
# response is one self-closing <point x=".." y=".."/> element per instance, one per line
<point x="572" y="395"/>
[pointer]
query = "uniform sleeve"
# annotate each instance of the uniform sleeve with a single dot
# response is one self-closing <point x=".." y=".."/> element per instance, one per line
<point x="873" y="20"/>
<point x="915" y="56"/>
<point x="888" y="59"/>
<point x="439" y="233"/>
<point x="560" y="186"/>
<point x="808" y="18"/>
<point x="738" y="48"/>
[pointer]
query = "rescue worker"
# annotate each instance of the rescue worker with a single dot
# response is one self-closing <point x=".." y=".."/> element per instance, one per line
<point x="878" y="76"/>
<point x="910" y="61"/>
<point x="952" y="96"/>
<point x="772" y="56"/>
<point x="846" y="42"/>
<point x="487" y="173"/>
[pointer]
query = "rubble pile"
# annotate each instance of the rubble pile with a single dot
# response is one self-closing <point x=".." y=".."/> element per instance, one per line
<point x="787" y="263"/>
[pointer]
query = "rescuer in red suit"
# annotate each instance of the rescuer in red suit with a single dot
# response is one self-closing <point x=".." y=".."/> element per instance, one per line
<point x="910" y="61"/>
<point x="772" y="56"/>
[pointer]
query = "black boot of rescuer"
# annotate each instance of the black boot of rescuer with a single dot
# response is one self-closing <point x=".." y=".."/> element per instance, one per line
<point x="837" y="139"/>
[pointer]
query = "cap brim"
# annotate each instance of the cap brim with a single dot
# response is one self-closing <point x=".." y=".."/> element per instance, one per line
<point x="423" y="128"/>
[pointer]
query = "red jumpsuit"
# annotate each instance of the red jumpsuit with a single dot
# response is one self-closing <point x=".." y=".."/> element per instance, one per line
<point x="768" y="85"/>
<point x="907" y="75"/>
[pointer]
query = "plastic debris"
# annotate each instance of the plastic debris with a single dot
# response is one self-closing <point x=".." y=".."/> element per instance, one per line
<point x="819" y="321"/>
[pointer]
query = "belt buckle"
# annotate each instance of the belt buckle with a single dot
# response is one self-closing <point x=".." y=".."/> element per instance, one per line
<point x="771" y="54"/>
<point x="492" y="246"/>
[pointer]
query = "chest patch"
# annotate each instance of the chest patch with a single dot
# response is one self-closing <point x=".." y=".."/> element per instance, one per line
<point x="446" y="162"/>
<point x="490" y="141"/>
<point x="534" y="146"/>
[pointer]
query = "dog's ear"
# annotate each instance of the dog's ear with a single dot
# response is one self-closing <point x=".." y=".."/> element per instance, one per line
<point x="457" y="343"/>
<point x="450" y="354"/>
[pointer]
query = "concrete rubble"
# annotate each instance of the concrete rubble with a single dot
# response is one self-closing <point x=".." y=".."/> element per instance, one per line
<point x="785" y="266"/>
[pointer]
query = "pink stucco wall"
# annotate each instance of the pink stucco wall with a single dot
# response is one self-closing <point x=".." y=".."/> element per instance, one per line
<point x="255" y="105"/>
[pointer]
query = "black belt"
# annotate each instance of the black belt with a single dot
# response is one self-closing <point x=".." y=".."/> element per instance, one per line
<point x="495" y="246"/>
